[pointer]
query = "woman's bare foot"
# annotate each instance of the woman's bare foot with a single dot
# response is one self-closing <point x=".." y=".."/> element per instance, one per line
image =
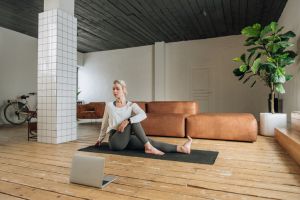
<point x="186" y="148"/>
<point x="152" y="150"/>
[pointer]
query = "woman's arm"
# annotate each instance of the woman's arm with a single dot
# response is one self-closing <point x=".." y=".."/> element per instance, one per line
<point x="139" y="116"/>
<point x="104" y="125"/>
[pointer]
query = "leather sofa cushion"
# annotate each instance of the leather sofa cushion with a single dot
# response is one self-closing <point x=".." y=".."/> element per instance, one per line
<point x="224" y="126"/>
<point x="165" y="124"/>
<point x="179" y="107"/>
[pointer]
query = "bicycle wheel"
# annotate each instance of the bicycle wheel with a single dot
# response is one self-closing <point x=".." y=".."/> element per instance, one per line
<point x="16" y="113"/>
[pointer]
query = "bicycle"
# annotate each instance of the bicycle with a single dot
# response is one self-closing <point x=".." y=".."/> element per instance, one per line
<point x="17" y="111"/>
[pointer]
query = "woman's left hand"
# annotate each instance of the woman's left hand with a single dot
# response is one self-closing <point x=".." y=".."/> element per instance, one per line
<point x="122" y="125"/>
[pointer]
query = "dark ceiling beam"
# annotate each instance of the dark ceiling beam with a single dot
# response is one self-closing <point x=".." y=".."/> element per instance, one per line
<point x="226" y="7"/>
<point x="188" y="11"/>
<point x="206" y="18"/>
<point x="102" y="28"/>
<point x="216" y="13"/>
<point x="137" y="26"/>
<point x="165" y="20"/>
<point x="156" y="20"/>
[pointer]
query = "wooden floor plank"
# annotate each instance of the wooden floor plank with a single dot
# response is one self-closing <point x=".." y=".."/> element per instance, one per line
<point x="260" y="170"/>
<point x="31" y="192"/>
<point x="9" y="197"/>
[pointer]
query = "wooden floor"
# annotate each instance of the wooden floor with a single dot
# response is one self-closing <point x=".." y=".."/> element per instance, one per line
<point x="260" y="170"/>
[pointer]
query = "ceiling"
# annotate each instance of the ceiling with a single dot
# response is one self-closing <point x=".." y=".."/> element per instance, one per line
<point x="116" y="24"/>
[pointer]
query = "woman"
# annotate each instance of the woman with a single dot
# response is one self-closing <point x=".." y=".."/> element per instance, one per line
<point x="122" y="121"/>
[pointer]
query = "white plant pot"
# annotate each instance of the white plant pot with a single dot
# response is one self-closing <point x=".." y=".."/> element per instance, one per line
<point x="269" y="121"/>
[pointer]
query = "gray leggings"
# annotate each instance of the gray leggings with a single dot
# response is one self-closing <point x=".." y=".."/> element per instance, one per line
<point x="134" y="137"/>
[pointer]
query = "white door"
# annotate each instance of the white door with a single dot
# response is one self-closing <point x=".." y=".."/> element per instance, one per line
<point x="200" y="87"/>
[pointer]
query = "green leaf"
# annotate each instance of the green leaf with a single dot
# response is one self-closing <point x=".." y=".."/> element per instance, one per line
<point x="275" y="47"/>
<point x="268" y="67"/>
<point x="237" y="59"/>
<point x="250" y="56"/>
<point x="266" y="30"/>
<point x="288" y="34"/>
<point x="292" y="54"/>
<point x="285" y="44"/>
<point x="278" y="76"/>
<point x="243" y="68"/>
<point x="269" y="59"/>
<point x="280" y="29"/>
<point x="242" y="76"/>
<point x="281" y="79"/>
<point x="254" y="48"/>
<point x="237" y="72"/>
<point x="288" y="77"/>
<point x="286" y="61"/>
<point x="250" y="41"/>
<point x="256" y="26"/>
<point x="243" y="57"/>
<point x="255" y="65"/>
<point x="279" y="88"/>
<point x="251" y="31"/>
<point x="268" y="38"/>
<point x="273" y="26"/>
<point x="258" y="55"/>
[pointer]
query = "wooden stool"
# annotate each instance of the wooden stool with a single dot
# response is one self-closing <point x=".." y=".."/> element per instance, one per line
<point x="32" y="125"/>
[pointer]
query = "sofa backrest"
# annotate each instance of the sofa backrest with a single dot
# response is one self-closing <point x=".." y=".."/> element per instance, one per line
<point x="179" y="107"/>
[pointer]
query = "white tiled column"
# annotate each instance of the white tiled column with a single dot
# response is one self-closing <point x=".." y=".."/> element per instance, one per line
<point x="57" y="62"/>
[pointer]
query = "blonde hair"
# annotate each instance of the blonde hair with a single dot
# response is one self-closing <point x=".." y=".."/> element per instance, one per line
<point x="123" y="84"/>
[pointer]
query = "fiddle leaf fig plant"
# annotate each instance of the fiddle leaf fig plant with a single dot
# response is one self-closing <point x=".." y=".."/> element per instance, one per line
<point x="267" y="57"/>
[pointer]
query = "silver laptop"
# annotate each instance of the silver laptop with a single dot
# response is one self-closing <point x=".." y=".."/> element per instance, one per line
<point x="89" y="170"/>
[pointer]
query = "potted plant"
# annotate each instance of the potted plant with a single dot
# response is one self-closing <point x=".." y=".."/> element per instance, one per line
<point x="267" y="59"/>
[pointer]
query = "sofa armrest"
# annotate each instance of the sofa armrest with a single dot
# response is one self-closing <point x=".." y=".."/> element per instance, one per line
<point x="81" y="108"/>
<point x="99" y="107"/>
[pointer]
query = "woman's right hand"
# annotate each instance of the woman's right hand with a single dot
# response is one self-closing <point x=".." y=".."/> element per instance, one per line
<point x="122" y="126"/>
<point x="98" y="143"/>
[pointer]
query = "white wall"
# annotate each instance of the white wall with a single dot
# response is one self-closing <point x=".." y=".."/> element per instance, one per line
<point x="18" y="65"/>
<point x="290" y="19"/>
<point x="229" y="95"/>
<point x="134" y="65"/>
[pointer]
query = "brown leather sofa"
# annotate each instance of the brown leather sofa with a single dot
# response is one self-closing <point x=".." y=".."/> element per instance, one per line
<point x="93" y="110"/>
<point x="181" y="118"/>
<point x="223" y="126"/>
<point x="167" y="118"/>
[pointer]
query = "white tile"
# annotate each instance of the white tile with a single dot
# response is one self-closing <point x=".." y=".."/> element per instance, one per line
<point x="74" y="137"/>
<point x="49" y="140"/>
<point x="53" y="133"/>
<point x="44" y="139"/>
<point x="59" y="140"/>
<point x="69" y="138"/>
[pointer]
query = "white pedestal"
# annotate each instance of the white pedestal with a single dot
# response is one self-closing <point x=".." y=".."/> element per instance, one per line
<point x="269" y="121"/>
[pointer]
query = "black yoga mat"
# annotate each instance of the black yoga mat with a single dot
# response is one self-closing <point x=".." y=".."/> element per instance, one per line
<point x="196" y="156"/>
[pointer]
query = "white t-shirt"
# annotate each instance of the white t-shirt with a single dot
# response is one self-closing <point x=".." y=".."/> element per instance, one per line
<point x="113" y="116"/>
